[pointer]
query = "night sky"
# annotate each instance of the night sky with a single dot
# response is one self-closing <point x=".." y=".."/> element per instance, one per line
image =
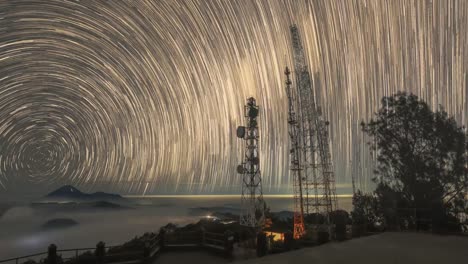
<point x="143" y="97"/>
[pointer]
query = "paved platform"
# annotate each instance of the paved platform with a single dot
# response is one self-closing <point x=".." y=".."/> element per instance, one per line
<point x="189" y="257"/>
<point x="385" y="248"/>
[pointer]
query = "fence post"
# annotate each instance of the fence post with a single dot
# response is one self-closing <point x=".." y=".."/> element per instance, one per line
<point x="203" y="236"/>
<point x="162" y="235"/>
<point x="52" y="254"/>
<point x="100" y="252"/>
<point x="288" y="240"/>
<point x="228" y="242"/>
<point x="146" y="250"/>
<point x="261" y="244"/>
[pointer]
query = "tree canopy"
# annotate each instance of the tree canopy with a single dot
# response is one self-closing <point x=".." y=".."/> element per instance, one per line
<point x="421" y="157"/>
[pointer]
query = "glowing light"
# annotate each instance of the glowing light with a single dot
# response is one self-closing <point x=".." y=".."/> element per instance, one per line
<point x="275" y="236"/>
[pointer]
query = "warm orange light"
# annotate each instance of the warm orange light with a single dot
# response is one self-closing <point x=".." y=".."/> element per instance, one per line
<point x="276" y="236"/>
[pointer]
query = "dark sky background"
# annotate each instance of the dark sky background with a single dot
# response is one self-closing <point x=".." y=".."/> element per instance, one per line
<point x="143" y="97"/>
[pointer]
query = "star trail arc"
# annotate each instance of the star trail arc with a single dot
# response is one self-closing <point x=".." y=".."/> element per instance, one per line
<point x="144" y="96"/>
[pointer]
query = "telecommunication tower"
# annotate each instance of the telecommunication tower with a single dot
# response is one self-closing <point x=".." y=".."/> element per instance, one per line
<point x="252" y="204"/>
<point x="317" y="181"/>
<point x="295" y="156"/>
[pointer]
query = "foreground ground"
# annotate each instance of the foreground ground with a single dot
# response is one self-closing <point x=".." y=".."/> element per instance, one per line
<point x="386" y="248"/>
<point x="190" y="257"/>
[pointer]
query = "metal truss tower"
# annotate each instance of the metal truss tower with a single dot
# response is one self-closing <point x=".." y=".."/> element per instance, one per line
<point x="318" y="180"/>
<point x="295" y="155"/>
<point x="252" y="204"/>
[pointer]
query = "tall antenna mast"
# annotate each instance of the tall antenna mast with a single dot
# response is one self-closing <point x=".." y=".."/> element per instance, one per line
<point x="317" y="170"/>
<point x="353" y="177"/>
<point x="252" y="204"/>
<point x="296" y="168"/>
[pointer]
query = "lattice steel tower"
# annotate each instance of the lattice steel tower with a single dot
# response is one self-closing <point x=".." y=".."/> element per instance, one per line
<point x="252" y="204"/>
<point x="317" y="178"/>
<point x="295" y="156"/>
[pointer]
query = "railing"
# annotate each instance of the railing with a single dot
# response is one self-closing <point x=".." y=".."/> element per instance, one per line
<point x="16" y="260"/>
<point x="76" y="252"/>
<point x="190" y="238"/>
<point x="214" y="240"/>
<point x="153" y="246"/>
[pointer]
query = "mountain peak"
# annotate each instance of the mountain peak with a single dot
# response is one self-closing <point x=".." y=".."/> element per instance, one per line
<point x="66" y="190"/>
<point x="69" y="188"/>
<point x="71" y="193"/>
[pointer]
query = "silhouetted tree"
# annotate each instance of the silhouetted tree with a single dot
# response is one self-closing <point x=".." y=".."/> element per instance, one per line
<point x="364" y="214"/>
<point x="314" y="219"/>
<point x="340" y="218"/>
<point x="421" y="161"/>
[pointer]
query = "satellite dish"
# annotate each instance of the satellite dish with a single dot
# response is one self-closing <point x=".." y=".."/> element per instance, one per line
<point x="253" y="112"/>
<point x="240" y="132"/>
<point x="255" y="160"/>
<point x="240" y="169"/>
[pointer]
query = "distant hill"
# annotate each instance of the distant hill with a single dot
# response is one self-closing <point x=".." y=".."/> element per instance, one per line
<point x="69" y="193"/>
<point x="283" y="215"/>
<point x="218" y="211"/>
<point x="229" y="211"/>
<point x="51" y="207"/>
<point x="58" y="223"/>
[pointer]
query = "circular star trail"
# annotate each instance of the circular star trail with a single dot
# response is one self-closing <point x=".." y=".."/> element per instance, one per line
<point x="144" y="96"/>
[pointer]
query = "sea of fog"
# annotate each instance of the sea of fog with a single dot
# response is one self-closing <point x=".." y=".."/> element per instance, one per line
<point x="21" y="231"/>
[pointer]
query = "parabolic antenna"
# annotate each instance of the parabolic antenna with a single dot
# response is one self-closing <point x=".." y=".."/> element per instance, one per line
<point x="255" y="160"/>
<point x="240" y="169"/>
<point x="240" y="132"/>
<point x="253" y="112"/>
<point x="253" y="123"/>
